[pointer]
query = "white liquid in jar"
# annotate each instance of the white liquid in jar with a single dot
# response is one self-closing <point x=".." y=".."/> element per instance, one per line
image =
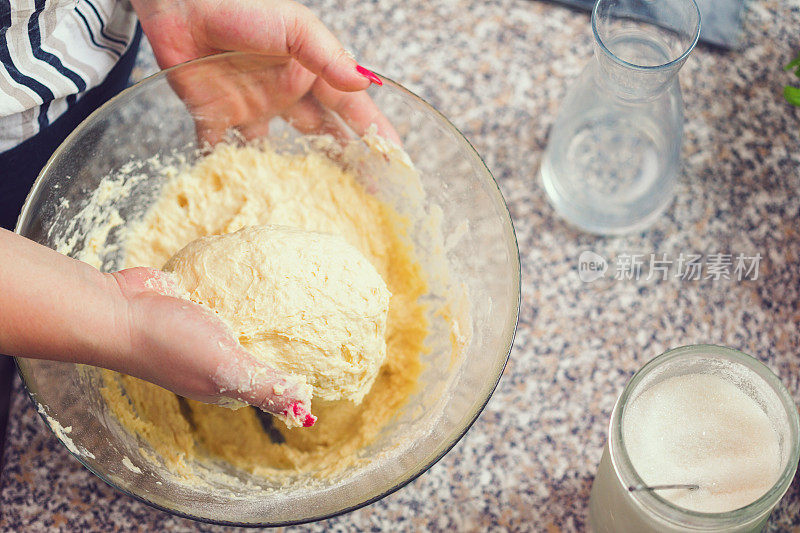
<point x="703" y="429"/>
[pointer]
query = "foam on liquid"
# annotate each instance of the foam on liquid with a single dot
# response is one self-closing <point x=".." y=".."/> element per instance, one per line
<point x="703" y="429"/>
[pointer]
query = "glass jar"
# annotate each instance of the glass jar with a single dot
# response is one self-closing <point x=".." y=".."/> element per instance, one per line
<point x="613" y="507"/>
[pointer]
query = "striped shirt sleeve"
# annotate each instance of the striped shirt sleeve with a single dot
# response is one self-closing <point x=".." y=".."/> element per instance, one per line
<point x="51" y="51"/>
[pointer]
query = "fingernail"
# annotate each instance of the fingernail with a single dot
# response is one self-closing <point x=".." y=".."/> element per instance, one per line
<point x="306" y="418"/>
<point x="371" y="76"/>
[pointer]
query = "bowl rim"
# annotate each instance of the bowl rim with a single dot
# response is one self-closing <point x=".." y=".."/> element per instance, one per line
<point x="414" y="473"/>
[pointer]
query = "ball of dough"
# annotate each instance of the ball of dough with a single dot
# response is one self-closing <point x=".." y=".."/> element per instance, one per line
<point x="303" y="302"/>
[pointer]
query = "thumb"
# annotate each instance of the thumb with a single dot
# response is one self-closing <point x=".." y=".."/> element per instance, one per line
<point x="141" y="279"/>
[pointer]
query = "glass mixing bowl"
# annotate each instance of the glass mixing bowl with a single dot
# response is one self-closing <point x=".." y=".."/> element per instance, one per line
<point x="459" y="226"/>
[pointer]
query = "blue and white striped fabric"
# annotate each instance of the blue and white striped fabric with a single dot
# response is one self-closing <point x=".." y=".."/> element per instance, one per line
<point x="51" y="51"/>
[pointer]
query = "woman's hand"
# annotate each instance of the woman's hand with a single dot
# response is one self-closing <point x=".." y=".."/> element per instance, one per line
<point x="58" y="308"/>
<point x="181" y="30"/>
<point x="185" y="348"/>
<point x="305" y="59"/>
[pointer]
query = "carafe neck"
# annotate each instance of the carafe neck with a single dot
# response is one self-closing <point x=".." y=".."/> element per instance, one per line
<point x="632" y="82"/>
<point x="642" y="44"/>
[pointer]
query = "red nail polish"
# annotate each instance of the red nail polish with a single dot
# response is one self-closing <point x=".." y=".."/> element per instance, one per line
<point x="371" y="76"/>
<point x="307" y="419"/>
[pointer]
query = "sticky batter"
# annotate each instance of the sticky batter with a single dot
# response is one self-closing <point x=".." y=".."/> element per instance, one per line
<point x="303" y="302"/>
<point x="234" y="187"/>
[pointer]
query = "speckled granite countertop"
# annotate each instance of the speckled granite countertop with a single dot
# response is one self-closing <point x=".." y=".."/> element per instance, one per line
<point x="498" y="70"/>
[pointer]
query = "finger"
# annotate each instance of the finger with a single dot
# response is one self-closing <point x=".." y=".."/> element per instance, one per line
<point x="310" y="117"/>
<point x="283" y="395"/>
<point x="310" y="42"/>
<point x="210" y="95"/>
<point x="285" y="28"/>
<point x="241" y="92"/>
<point x="357" y="109"/>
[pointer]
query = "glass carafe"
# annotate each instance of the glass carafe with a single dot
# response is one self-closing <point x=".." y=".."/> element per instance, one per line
<point x="613" y="156"/>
